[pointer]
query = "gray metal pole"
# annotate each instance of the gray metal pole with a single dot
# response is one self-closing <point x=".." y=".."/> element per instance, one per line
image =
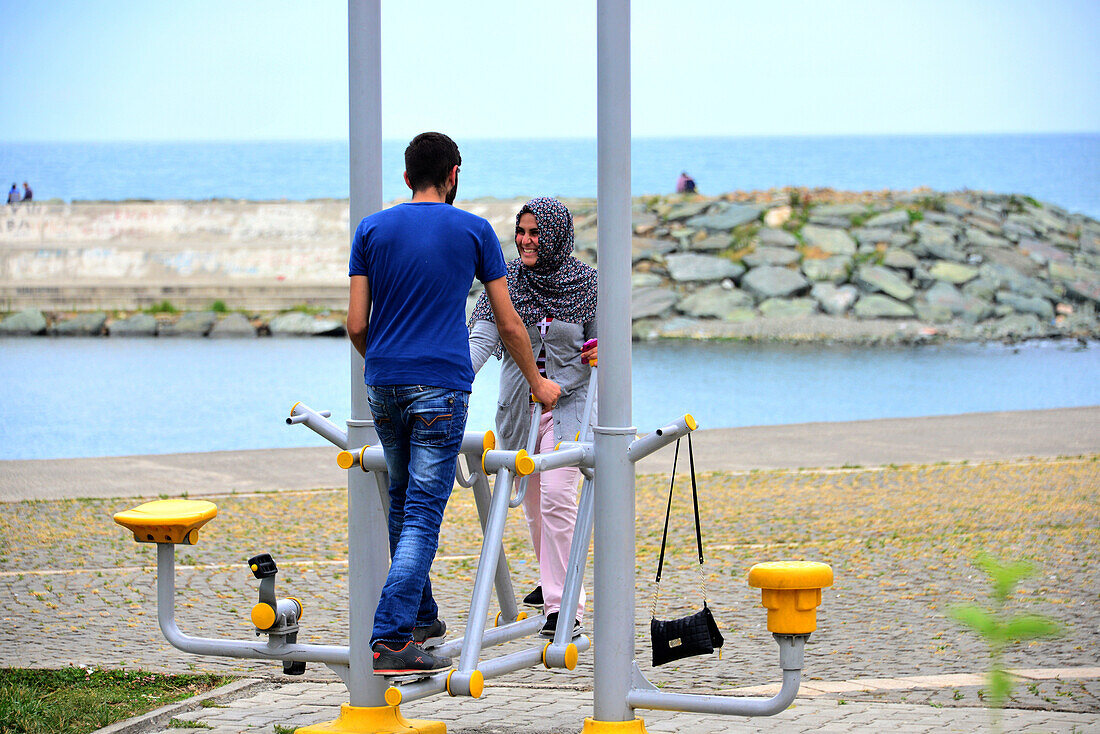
<point x="614" y="507"/>
<point x="368" y="545"/>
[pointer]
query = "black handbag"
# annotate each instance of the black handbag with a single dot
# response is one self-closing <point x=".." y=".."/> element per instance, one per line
<point x="695" y="634"/>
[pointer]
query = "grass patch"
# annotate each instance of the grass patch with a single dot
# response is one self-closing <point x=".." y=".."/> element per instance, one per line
<point x="219" y="306"/>
<point x="79" y="700"/>
<point x="306" y="309"/>
<point x="162" y="307"/>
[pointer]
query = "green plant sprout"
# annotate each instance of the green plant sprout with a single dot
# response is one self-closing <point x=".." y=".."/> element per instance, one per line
<point x="999" y="627"/>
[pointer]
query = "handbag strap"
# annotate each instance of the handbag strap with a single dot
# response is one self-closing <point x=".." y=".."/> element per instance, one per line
<point x="668" y="514"/>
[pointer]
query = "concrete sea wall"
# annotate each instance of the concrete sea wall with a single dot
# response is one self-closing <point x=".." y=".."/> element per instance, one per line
<point x="788" y="264"/>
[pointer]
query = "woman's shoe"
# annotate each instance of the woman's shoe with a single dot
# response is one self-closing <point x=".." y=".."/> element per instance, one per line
<point x="534" y="599"/>
<point x="551" y="626"/>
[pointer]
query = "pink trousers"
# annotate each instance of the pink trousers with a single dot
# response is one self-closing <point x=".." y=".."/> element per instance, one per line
<point x="550" y="505"/>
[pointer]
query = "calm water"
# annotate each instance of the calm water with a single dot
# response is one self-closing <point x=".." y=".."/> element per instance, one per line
<point x="1062" y="169"/>
<point x="102" y="397"/>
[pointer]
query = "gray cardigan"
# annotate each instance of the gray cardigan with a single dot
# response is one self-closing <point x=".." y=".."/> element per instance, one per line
<point x="563" y="344"/>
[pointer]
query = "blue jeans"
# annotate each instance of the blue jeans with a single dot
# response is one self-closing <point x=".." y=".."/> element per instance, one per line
<point x="421" y="430"/>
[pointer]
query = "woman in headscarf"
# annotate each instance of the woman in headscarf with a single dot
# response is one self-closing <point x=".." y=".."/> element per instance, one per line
<point x="555" y="295"/>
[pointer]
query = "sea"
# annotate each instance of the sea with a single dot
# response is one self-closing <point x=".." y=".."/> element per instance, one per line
<point x="1062" y="169"/>
<point x="103" y="397"/>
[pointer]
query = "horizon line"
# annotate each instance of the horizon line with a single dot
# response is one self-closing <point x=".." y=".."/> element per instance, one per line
<point x="564" y="138"/>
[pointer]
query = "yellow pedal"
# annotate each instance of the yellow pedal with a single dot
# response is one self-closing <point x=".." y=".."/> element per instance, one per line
<point x="791" y="592"/>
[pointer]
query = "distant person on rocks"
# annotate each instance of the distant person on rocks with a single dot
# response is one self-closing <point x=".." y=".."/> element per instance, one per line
<point x="685" y="184"/>
<point x="411" y="268"/>
<point x="13" y="195"/>
<point x="28" y="194"/>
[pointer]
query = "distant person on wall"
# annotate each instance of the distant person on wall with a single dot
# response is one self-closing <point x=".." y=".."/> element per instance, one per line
<point x="13" y="194"/>
<point x="411" y="268"/>
<point x="555" y="295"/>
<point x="685" y="184"/>
<point x="28" y="194"/>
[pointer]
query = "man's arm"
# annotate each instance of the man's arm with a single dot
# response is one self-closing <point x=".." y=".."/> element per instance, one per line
<point x="514" y="335"/>
<point x="359" y="312"/>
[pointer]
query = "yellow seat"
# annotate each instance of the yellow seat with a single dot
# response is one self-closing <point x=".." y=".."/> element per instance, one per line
<point x="791" y="592"/>
<point x="167" y="521"/>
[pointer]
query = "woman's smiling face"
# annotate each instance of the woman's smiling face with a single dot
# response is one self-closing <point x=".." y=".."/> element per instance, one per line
<point x="527" y="239"/>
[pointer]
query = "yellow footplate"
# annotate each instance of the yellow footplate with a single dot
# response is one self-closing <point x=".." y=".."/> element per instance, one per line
<point x="168" y="521"/>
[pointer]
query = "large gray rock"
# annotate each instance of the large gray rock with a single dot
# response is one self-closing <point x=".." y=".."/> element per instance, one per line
<point x="191" y="324"/>
<point x="900" y="259"/>
<point x="897" y="219"/>
<point x="686" y="210"/>
<point x="1068" y="273"/>
<point x="711" y="243"/>
<point x="1041" y="307"/>
<point x="831" y="240"/>
<point x="776" y="237"/>
<point x="83" y="324"/>
<point x="772" y="282"/>
<point x="877" y="306"/>
<point x="787" y="308"/>
<point x="1043" y="253"/>
<point x="982" y="287"/>
<point x="235" y="325"/>
<point x="876" y="278"/>
<point x="771" y="256"/>
<point x="642" y="248"/>
<point x="835" y="269"/>
<point x="28" y="322"/>
<point x="1011" y="258"/>
<point x="715" y="302"/>
<point x="953" y="272"/>
<point x="938" y="242"/>
<point x="833" y="299"/>
<point x="945" y="298"/>
<point x="1084" y="290"/>
<point x="645" y="280"/>
<point x="724" y="219"/>
<point x="691" y="267"/>
<point x="840" y="210"/>
<point x="1016" y="326"/>
<point x="648" y="302"/>
<point x="140" y="324"/>
<point x="295" y="323"/>
<point x="1016" y="231"/>
<point x="981" y="238"/>
<point x="841" y="222"/>
<point x="867" y="236"/>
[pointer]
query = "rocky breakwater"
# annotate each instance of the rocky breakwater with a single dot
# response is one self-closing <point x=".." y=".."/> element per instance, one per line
<point x="821" y="265"/>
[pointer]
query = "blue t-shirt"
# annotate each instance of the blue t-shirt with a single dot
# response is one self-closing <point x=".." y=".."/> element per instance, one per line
<point x="420" y="260"/>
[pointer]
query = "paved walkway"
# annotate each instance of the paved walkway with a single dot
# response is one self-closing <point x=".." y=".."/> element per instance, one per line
<point x="562" y="710"/>
<point x="884" y="656"/>
<point x="971" y="437"/>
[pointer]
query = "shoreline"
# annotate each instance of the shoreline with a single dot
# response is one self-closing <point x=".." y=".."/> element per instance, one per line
<point x="857" y="445"/>
<point x="788" y="265"/>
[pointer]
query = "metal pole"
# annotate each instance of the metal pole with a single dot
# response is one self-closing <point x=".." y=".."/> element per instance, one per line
<point x="614" y="507"/>
<point x="368" y="545"/>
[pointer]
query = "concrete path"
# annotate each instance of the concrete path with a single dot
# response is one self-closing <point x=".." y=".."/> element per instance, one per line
<point x="971" y="437"/>
<point x="544" y="710"/>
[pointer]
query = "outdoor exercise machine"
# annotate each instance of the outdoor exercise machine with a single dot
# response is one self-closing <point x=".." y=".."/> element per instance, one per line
<point x="791" y="591"/>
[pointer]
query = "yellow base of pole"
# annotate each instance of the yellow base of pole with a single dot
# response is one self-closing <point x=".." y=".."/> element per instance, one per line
<point x="374" y="720"/>
<point x="634" y="726"/>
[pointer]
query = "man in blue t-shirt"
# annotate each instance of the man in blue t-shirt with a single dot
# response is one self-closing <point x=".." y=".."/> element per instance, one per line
<point x="411" y="269"/>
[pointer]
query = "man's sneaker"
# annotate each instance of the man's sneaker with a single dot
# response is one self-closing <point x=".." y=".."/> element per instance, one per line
<point x="551" y="626"/>
<point x="534" y="599"/>
<point x="410" y="659"/>
<point x="431" y="635"/>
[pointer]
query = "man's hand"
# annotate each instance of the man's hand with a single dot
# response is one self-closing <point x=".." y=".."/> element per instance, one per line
<point x="546" y="392"/>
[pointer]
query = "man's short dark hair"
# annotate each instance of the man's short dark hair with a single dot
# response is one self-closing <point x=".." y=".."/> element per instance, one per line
<point x="429" y="159"/>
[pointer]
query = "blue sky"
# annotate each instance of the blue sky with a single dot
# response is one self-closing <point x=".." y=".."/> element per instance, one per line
<point x="202" y="70"/>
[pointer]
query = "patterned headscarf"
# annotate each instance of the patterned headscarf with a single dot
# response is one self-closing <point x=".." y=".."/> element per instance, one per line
<point x="559" y="285"/>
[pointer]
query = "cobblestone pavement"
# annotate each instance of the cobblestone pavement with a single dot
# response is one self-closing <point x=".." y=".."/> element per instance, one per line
<point x="901" y="541"/>
<point x="544" y="710"/>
